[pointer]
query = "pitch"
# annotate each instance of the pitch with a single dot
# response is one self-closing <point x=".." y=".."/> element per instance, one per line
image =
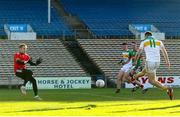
<point x="90" y="102"/>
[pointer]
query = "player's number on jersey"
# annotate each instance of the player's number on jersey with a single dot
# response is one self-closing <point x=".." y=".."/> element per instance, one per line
<point x="152" y="43"/>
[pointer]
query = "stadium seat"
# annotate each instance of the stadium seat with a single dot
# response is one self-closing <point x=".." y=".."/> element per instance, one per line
<point x="33" y="12"/>
<point x="107" y="17"/>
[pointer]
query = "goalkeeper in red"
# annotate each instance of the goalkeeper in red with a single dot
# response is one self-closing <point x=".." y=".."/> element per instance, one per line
<point x="21" y="58"/>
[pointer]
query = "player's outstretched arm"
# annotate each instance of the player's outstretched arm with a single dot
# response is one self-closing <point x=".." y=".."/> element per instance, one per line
<point x="121" y="62"/>
<point x="38" y="61"/>
<point x="137" y="56"/>
<point x="165" y="54"/>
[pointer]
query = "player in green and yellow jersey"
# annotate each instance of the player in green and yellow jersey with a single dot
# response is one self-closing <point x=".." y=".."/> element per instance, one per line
<point x="126" y="61"/>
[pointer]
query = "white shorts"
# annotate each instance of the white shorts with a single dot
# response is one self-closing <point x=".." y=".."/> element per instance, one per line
<point x="151" y="66"/>
<point x="126" y="67"/>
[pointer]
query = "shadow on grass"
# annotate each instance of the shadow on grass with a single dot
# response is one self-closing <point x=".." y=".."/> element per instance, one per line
<point x="52" y="109"/>
<point x="87" y="107"/>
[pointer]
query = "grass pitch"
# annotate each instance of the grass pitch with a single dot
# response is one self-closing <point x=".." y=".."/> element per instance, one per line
<point x="90" y="102"/>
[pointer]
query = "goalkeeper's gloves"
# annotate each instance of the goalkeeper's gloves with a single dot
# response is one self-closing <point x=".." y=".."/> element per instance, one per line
<point x="39" y="61"/>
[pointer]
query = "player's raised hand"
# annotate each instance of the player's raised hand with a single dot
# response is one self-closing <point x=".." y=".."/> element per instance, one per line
<point x="39" y="61"/>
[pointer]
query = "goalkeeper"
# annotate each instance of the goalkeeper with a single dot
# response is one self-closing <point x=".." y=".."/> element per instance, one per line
<point x="21" y="58"/>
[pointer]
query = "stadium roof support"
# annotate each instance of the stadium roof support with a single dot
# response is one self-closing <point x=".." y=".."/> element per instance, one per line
<point x="49" y="11"/>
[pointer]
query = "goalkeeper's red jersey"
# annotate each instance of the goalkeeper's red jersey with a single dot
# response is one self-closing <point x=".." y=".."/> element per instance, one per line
<point x="23" y="57"/>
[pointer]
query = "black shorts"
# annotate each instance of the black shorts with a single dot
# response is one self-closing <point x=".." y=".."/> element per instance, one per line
<point x="24" y="74"/>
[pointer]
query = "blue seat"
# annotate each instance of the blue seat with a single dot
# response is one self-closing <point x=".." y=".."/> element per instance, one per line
<point x="33" y="12"/>
<point x="118" y="14"/>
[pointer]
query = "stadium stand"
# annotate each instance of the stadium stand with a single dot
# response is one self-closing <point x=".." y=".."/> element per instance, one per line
<point x="106" y="54"/>
<point x="33" y="12"/>
<point x="57" y="61"/>
<point x="107" y="17"/>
